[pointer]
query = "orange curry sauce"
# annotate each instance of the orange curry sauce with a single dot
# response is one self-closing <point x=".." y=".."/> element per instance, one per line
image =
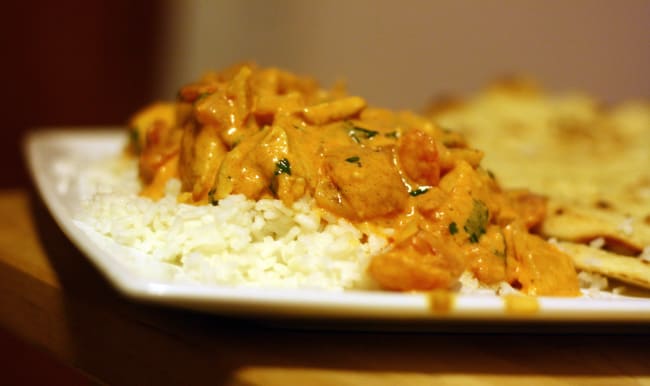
<point x="264" y="132"/>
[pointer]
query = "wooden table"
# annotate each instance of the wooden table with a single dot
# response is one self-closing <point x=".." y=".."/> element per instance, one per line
<point x="53" y="299"/>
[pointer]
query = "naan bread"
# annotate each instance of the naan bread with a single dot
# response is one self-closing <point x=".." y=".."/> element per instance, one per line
<point x="628" y="269"/>
<point x="578" y="221"/>
<point x="592" y="161"/>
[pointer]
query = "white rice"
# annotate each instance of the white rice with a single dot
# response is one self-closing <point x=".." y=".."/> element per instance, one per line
<point x="239" y="242"/>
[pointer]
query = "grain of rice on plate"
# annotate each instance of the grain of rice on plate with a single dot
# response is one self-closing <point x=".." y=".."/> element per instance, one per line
<point x="259" y="177"/>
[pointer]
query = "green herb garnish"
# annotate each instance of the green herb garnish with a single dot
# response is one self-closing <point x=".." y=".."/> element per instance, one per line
<point x="476" y="223"/>
<point x="392" y="134"/>
<point x="282" y="167"/>
<point x="353" y="159"/>
<point x="453" y="228"/>
<point x="211" y="199"/>
<point x="357" y="133"/>
<point x="364" y="132"/>
<point x="419" y="190"/>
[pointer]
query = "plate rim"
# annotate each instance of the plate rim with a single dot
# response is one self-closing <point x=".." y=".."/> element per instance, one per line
<point x="228" y="300"/>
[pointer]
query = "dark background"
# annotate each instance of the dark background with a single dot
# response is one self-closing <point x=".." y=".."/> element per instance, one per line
<point x="67" y="63"/>
<point x="88" y="63"/>
<point x="72" y="63"/>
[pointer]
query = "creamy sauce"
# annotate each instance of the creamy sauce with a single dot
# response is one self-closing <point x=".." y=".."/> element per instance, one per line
<point x="268" y="133"/>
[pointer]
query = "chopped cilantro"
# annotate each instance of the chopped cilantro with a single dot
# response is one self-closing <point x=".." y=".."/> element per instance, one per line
<point x="366" y="133"/>
<point x="392" y="134"/>
<point x="211" y="198"/>
<point x="419" y="190"/>
<point x="282" y="167"/>
<point x="357" y="133"/>
<point x="453" y="228"/>
<point x="476" y="223"/>
<point x="352" y="159"/>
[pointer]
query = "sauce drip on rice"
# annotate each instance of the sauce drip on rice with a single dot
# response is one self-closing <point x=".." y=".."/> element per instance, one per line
<point x="267" y="133"/>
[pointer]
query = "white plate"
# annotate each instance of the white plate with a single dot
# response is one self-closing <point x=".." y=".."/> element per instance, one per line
<point x="56" y="156"/>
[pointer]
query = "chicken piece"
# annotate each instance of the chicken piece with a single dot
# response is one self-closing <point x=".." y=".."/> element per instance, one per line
<point x="154" y="117"/>
<point x="537" y="267"/>
<point x="425" y="261"/>
<point x="201" y="154"/>
<point x="161" y="139"/>
<point x="155" y="190"/>
<point x="360" y="183"/>
<point x="418" y="157"/>
<point x="240" y="173"/>
<point x="523" y="204"/>
<point x="227" y="108"/>
<point x="263" y="164"/>
<point x="486" y="259"/>
<point x="334" y="110"/>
